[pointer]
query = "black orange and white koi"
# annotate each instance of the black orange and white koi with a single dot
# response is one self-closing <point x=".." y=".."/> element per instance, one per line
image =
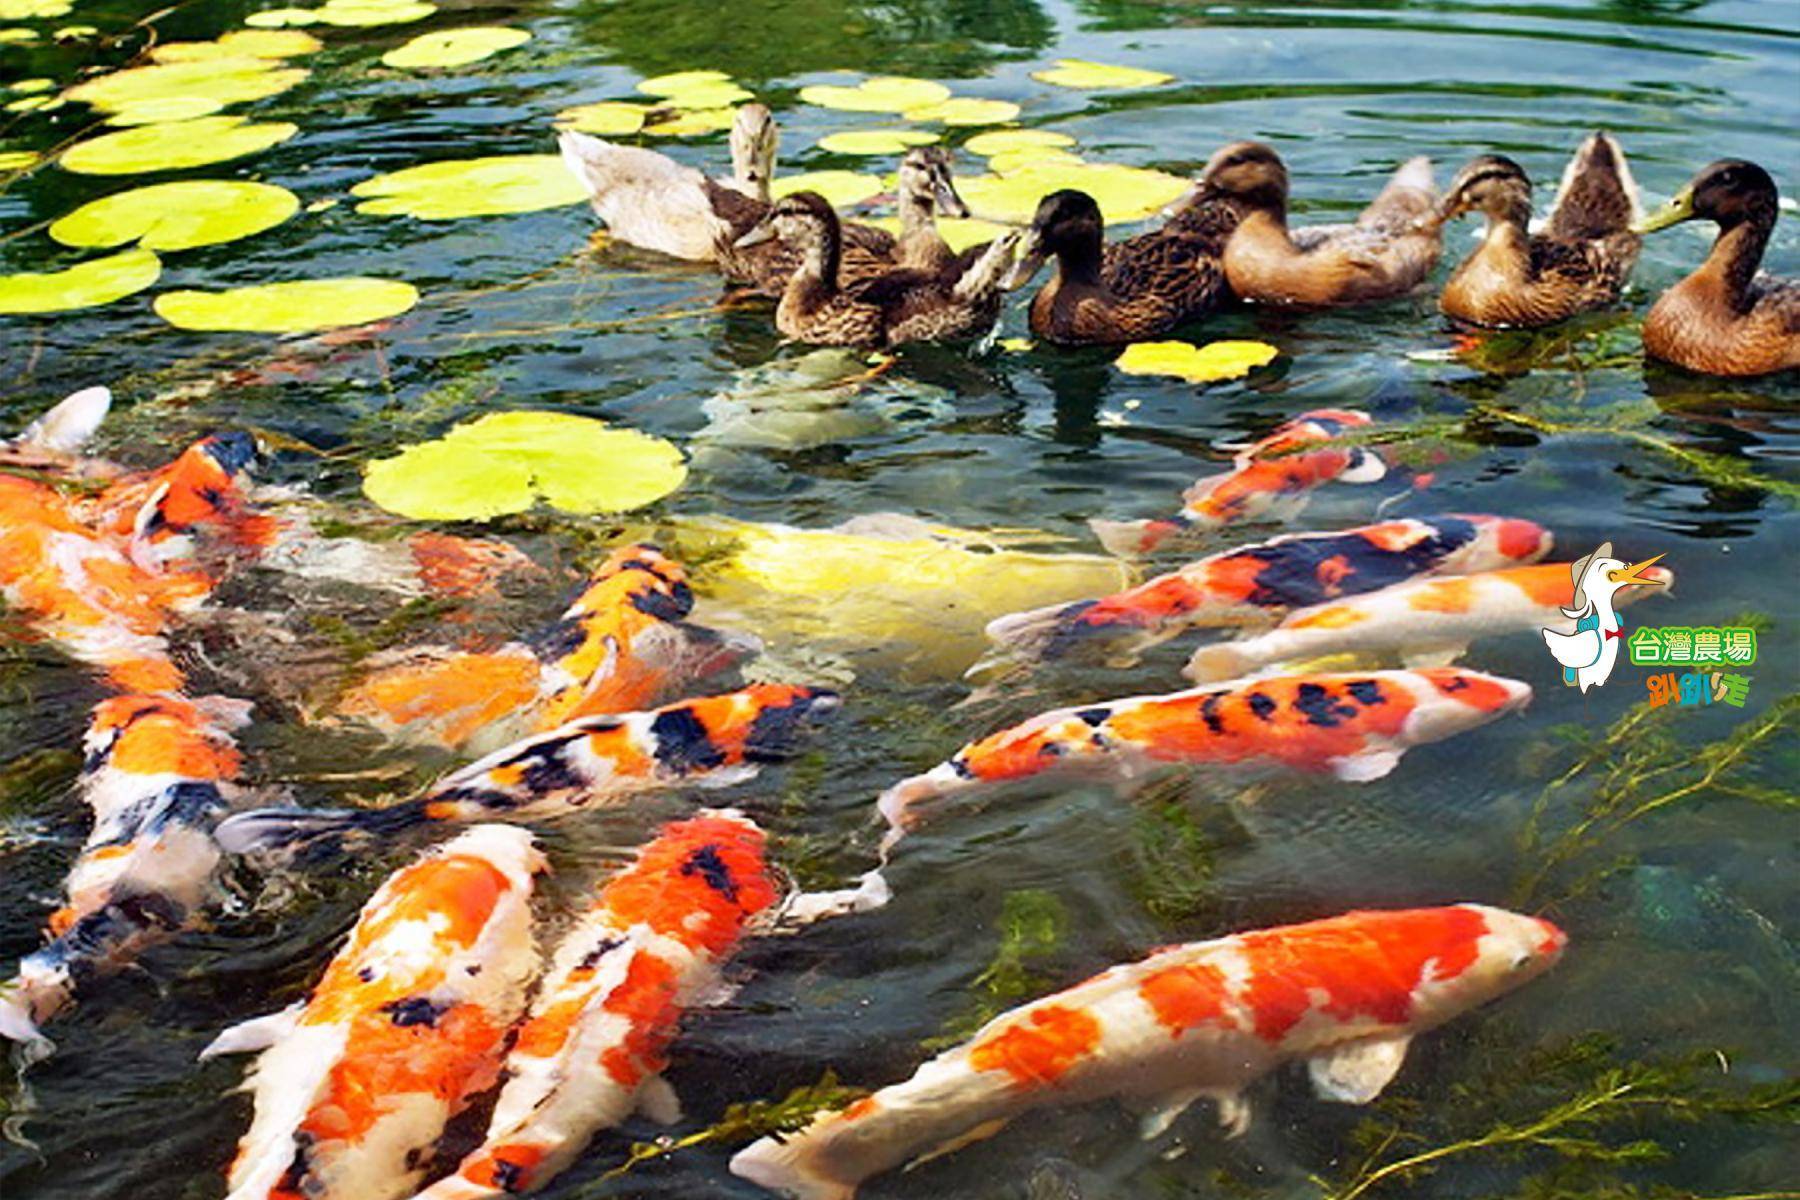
<point x="1345" y="995"/>
<point x="159" y="772"/>
<point x="1355" y="726"/>
<point x="1259" y="583"/>
<point x="711" y="742"/>
<point x="1423" y="621"/>
<point x="1271" y="479"/>
<point x="407" y="1025"/>
<point x="625" y="644"/>
<point x="592" y="1050"/>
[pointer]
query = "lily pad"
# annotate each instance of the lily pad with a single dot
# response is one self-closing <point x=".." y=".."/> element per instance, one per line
<point x="241" y="43"/>
<point x="694" y="124"/>
<point x="1080" y="73"/>
<point x="680" y="81"/>
<point x="471" y="187"/>
<point x="840" y="188"/>
<point x="607" y="118"/>
<point x="178" y="216"/>
<point x="707" y="96"/>
<point x="18" y="160"/>
<point x="966" y="110"/>
<point x="17" y="35"/>
<point x="299" y="307"/>
<point x="875" y="141"/>
<point x="158" y="112"/>
<point x="1196" y="364"/>
<point x="1008" y="161"/>
<point x="455" y="47"/>
<point x="97" y="281"/>
<point x="1001" y="141"/>
<point x="884" y="93"/>
<point x="959" y="233"/>
<point x="174" y="147"/>
<point x="31" y="85"/>
<point x="277" y="18"/>
<point x="505" y="462"/>
<point x="1123" y="193"/>
<point x="35" y="104"/>
<point x="365" y="13"/>
<point x="220" y="80"/>
<point x="24" y="10"/>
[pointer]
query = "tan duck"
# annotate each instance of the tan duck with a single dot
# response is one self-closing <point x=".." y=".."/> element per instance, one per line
<point x="1127" y="291"/>
<point x="650" y="200"/>
<point x="1579" y="260"/>
<point x="1726" y="318"/>
<point x="900" y="305"/>
<point x="1386" y="253"/>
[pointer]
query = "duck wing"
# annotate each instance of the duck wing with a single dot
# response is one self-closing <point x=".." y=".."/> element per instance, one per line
<point x="1597" y="196"/>
<point x="1168" y="275"/>
<point x="645" y="198"/>
<point x="1577" y="650"/>
<point x="1411" y="193"/>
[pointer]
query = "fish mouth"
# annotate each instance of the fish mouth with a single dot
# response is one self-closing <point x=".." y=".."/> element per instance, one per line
<point x="1679" y="208"/>
<point x="1635" y="573"/>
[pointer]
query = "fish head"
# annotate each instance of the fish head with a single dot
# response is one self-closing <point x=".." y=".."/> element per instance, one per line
<point x="757" y="724"/>
<point x="1460" y="700"/>
<point x="1510" y="949"/>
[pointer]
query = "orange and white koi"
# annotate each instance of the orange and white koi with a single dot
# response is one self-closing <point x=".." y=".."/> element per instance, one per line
<point x="1424" y="621"/>
<point x="590" y="1053"/>
<point x="624" y="645"/>
<point x="1261" y="582"/>
<point x="1354" y="726"/>
<point x="159" y="773"/>
<point x="1345" y="995"/>
<point x="711" y="742"/>
<point x="1270" y="479"/>
<point x="409" y="1022"/>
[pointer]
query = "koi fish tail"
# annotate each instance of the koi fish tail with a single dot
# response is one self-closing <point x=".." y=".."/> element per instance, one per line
<point x="498" y="1171"/>
<point x="1219" y="662"/>
<point x="1134" y="539"/>
<point x="265" y="830"/>
<point x="1040" y="632"/>
<point x="784" y="1167"/>
<point x="19" y="1015"/>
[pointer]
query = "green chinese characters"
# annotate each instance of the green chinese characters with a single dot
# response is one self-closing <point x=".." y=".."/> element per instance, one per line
<point x="1681" y="645"/>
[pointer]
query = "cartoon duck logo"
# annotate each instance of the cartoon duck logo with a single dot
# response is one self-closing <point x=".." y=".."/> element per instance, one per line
<point x="1587" y="655"/>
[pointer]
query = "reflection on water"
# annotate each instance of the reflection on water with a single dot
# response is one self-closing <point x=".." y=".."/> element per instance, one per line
<point x="1691" y="948"/>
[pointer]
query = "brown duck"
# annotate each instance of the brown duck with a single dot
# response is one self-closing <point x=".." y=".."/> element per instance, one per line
<point x="897" y="306"/>
<point x="1127" y="291"/>
<point x="1388" y="251"/>
<point x="1726" y="318"/>
<point x="1578" y="261"/>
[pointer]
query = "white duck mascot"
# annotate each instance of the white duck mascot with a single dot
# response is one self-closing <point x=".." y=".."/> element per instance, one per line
<point x="1587" y="655"/>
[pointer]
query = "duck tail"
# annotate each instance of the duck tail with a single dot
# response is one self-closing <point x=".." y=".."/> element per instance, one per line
<point x="587" y="158"/>
<point x="1597" y="195"/>
<point x="265" y="830"/>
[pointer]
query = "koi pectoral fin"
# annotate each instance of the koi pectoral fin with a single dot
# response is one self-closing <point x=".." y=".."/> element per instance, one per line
<point x="1234" y="1112"/>
<point x="258" y="1033"/>
<point x="1366" y="766"/>
<point x="657" y="1101"/>
<point x="1423" y="657"/>
<point x="1164" y="1110"/>
<point x="1356" y="1072"/>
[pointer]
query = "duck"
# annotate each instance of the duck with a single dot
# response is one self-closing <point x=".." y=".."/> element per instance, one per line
<point x="1386" y="253"/>
<point x="1127" y="291"/>
<point x="1578" y="261"/>
<point x="889" y="309"/>
<point x="650" y="200"/>
<point x="1727" y="318"/>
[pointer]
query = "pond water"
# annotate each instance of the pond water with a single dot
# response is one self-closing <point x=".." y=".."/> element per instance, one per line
<point x="1688" y="946"/>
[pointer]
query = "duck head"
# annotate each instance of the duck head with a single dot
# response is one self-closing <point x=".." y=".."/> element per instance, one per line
<point x="1067" y="224"/>
<point x="1729" y="193"/>
<point x="1250" y="175"/>
<point x="807" y="222"/>
<point x="925" y="182"/>
<point x="754" y="140"/>
<point x="1493" y="185"/>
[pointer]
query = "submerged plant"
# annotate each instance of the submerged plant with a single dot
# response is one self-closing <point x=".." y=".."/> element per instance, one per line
<point x="1033" y="923"/>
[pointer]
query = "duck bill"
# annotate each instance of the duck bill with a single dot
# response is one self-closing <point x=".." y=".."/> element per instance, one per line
<point x="1030" y="261"/>
<point x="758" y="234"/>
<point x="1635" y="573"/>
<point x="1677" y="210"/>
<point x="949" y="204"/>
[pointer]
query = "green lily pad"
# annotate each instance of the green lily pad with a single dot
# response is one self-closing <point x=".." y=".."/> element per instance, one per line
<point x="278" y="18"/>
<point x="1080" y="73"/>
<point x="505" y="462"/>
<point x="15" y="35"/>
<point x="884" y="93"/>
<point x="1003" y="141"/>
<point x="241" y="43"/>
<point x="27" y="86"/>
<point x="220" y="80"/>
<point x="18" y="160"/>
<point x="299" y="307"/>
<point x="694" y="124"/>
<point x="1196" y="364"/>
<point x="471" y="187"/>
<point x="24" y="10"/>
<point x="85" y="285"/>
<point x="1123" y="193"/>
<point x="455" y="47"/>
<point x="680" y="81"/>
<point x="607" y="118"/>
<point x="876" y="141"/>
<point x="1008" y="161"/>
<point x="35" y="104"/>
<point x="840" y="188"/>
<point x="174" y="147"/>
<point x="966" y="110"/>
<point x="159" y="112"/>
<point x="178" y="216"/>
<point x="366" y="13"/>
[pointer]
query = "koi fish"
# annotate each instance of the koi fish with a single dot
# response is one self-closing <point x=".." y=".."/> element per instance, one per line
<point x="591" y="1051"/>
<point x="1345" y="995"/>
<point x="1354" y="726"/>
<point x="407" y="1025"/>
<point x="1262" y="582"/>
<point x="158" y="774"/>
<point x="205" y="490"/>
<point x="1425" y="621"/>
<point x="1269" y="480"/>
<point x="712" y="742"/>
<point x="624" y="645"/>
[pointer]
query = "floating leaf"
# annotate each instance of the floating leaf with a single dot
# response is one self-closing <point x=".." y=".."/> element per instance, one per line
<point x="504" y="462"/>
<point x="97" y="281"/>
<point x="455" y="47"/>
<point x="158" y="112"/>
<point x="1015" y="345"/>
<point x="276" y="18"/>
<point x="966" y="110"/>
<point x="174" y="147"/>
<point x="18" y="160"/>
<point x="1196" y="364"/>
<point x="178" y="216"/>
<point x="1079" y="73"/>
<point x="693" y="124"/>
<point x="1009" y="161"/>
<point x="875" y="141"/>
<point x="680" y="81"/>
<point x="1123" y="193"/>
<point x="24" y="10"/>
<point x="471" y="187"/>
<point x="707" y="96"/>
<point x="298" y="307"/>
<point x="71" y="33"/>
<point x="241" y="43"/>
<point x="958" y="232"/>
<point x="35" y="104"/>
<point x="885" y="93"/>
<point x="32" y="85"/>
<point x="362" y="13"/>
<point x="12" y="36"/>
<point x="840" y="188"/>
<point x="220" y="80"/>
<point x="608" y="118"/>
<point x="1000" y="141"/>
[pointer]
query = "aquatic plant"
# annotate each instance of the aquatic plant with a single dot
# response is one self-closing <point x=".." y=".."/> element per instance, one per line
<point x="1174" y="876"/>
<point x="1033" y="923"/>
